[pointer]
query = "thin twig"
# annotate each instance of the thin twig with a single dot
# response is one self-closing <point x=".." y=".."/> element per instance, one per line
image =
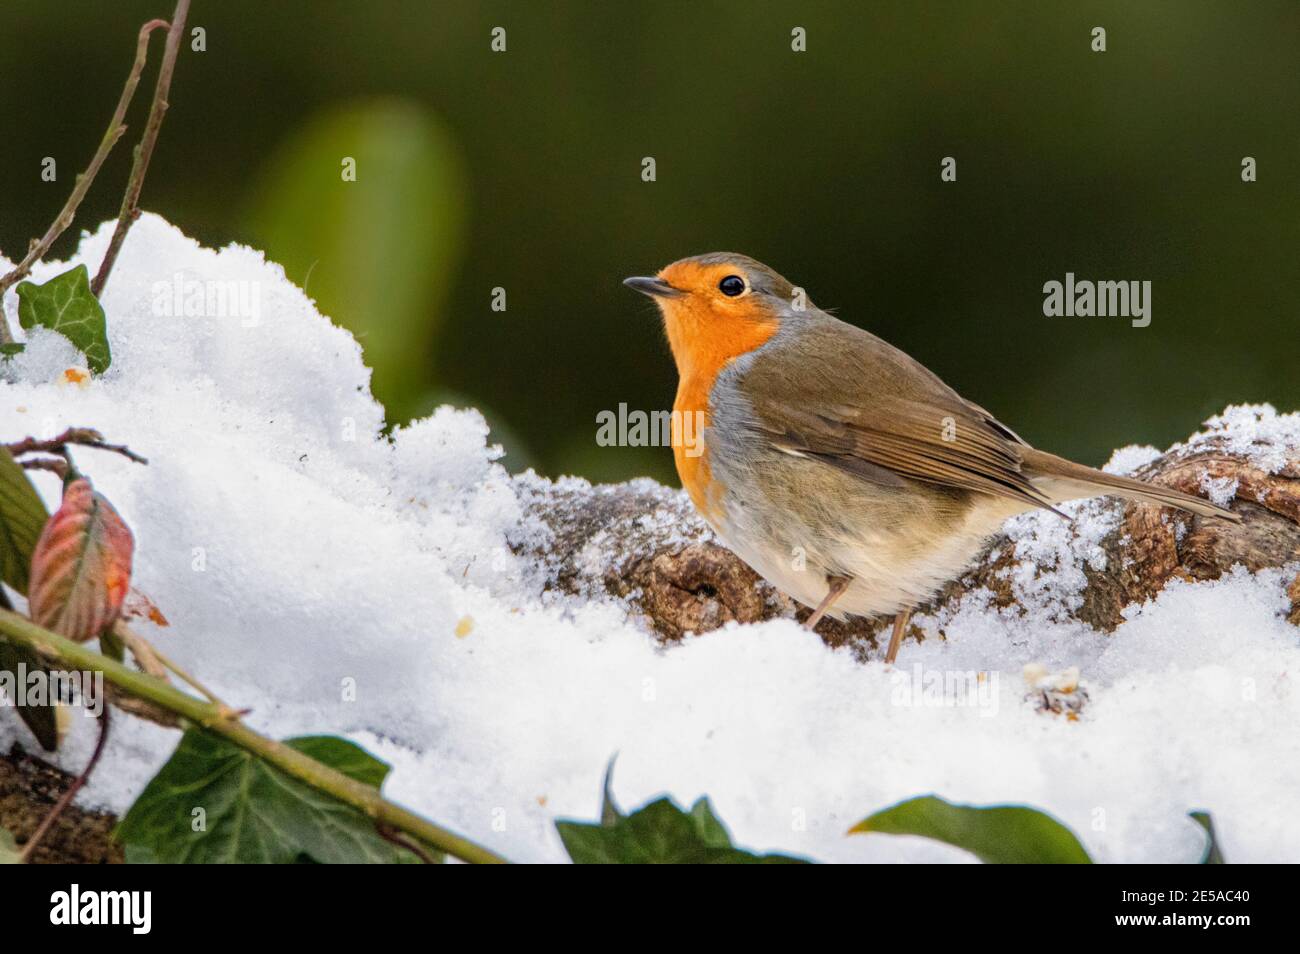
<point x="55" y="465"/>
<point x="42" y="245"/>
<point x="66" y="799"/>
<point x="146" y="657"/>
<point x="83" y="436"/>
<point x="144" y="151"/>
<point x="147" y="654"/>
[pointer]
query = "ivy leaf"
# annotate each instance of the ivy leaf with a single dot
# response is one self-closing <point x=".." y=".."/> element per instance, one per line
<point x="1212" y="855"/>
<point x="9" y="853"/>
<point x="66" y="304"/>
<point x="659" y="833"/>
<point x="996" y="834"/>
<point x="22" y="515"/>
<point x="343" y="756"/>
<point x="81" y="568"/>
<point x="712" y="831"/>
<point x="252" y="811"/>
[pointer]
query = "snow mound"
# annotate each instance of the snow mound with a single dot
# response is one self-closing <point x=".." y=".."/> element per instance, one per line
<point x="336" y="580"/>
<point x="1254" y="431"/>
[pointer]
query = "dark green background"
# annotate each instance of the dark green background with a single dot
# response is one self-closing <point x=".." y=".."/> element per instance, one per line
<point x="1119" y="165"/>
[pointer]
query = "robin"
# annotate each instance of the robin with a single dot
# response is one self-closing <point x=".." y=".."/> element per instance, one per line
<point x="842" y="470"/>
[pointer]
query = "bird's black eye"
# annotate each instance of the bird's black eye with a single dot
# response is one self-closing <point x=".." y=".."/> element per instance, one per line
<point x="732" y="286"/>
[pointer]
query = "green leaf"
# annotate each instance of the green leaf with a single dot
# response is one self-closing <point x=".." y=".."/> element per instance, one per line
<point x="253" y="812"/>
<point x="659" y="833"/>
<point x="343" y="756"/>
<point x="139" y="855"/>
<point x="378" y="254"/>
<point x="9" y="853"/>
<point x="10" y="348"/>
<point x="1212" y="855"/>
<point x="711" y="831"/>
<point x="22" y="516"/>
<point x="66" y="304"/>
<point x="996" y="834"/>
<point x="40" y="719"/>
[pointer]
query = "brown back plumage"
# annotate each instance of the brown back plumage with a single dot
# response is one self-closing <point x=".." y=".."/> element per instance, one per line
<point x="861" y="405"/>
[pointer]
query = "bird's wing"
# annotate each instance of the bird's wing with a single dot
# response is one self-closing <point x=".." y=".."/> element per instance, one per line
<point x="870" y="410"/>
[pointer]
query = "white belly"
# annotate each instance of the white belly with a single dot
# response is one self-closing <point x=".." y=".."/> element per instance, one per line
<point x="890" y="571"/>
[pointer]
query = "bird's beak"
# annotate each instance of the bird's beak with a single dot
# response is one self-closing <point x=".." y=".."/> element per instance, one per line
<point x="654" y="287"/>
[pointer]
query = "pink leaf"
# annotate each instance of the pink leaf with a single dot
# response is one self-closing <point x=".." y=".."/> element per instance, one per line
<point x="81" y="567"/>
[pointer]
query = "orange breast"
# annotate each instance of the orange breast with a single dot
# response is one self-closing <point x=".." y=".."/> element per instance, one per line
<point x="700" y="358"/>
<point x="689" y="453"/>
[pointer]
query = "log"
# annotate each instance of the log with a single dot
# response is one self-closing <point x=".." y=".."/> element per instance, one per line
<point x="643" y="544"/>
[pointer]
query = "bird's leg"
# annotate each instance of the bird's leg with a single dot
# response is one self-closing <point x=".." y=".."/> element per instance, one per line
<point x="896" y="637"/>
<point x="838" y="584"/>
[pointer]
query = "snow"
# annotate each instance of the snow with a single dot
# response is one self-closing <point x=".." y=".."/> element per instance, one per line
<point x="1128" y="459"/>
<point x="1257" y="431"/>
<point x="335" y="580"/>
<point x="1054" y="553"/>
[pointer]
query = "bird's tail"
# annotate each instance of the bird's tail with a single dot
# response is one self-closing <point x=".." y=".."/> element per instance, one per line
<point x="1066" y="480"/>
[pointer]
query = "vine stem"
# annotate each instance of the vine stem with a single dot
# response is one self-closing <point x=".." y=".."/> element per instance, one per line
<point x="221" y="721"/>
<point x="114" y="132"/>
<point x="144" y="151"/>
<point x="66" y="798"/>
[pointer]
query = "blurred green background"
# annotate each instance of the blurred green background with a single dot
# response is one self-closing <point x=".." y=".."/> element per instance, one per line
<point x="523" y="170"/>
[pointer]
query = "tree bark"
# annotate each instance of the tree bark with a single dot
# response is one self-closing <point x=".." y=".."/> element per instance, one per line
<point x="644" y="544"/>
